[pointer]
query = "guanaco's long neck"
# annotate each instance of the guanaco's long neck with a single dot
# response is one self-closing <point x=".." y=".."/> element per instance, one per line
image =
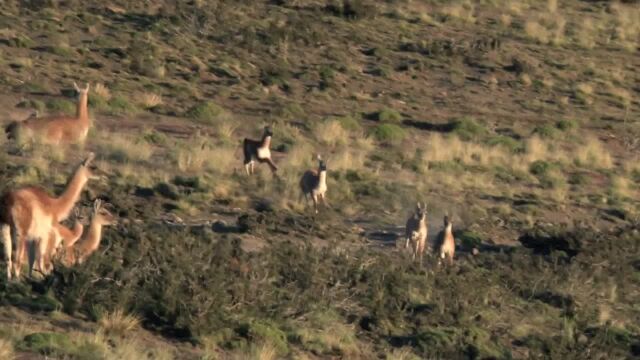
<point x="91" y="242"/>
<point x="448" y="228"/>
<point x="65" y="203"/>
<point x="266" y="141"/>
<point x="82" y="113"/>
<point x="75" y="235"/>
<point x="322" y="180"/>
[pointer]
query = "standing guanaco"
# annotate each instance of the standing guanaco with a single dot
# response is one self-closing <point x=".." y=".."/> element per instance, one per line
<point x="416" y="231"/>
<point x="91" y="238"/>
<point x="57" y="129"/>
<point x="260" y="151"/>
<point x="28" y="215"/>
<point x="446" y="242"/>
<point x="314" y="183"/>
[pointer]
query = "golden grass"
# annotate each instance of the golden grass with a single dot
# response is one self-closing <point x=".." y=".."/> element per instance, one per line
<point x="6" y="350"/>
<point x="525" y="80"/>
<point x="24" y="62"/>
<point x="626" y="20"/>
<point x="194" y="159"/>
<point x="265" y="351"/>
<point x="584" y="88"/>
<point x="622" y="187"/>
<point x="404" y="353"/>
<point x="149" y="100"/>
<point x="118" y="323"/>
<point x="592" y="153"/>
<point x="122" y="148"/>
<point x="331" y="133"/>
<point x="462" y="11"/>
<point x="552" y="5"/>
<point x="102" y="91"/>
<point x="547" y="30"/>
<point x="505" y="20"/>
<point x="623" y="96"/>
<point x="226" y="130"/>
<point x="586" y="34"/>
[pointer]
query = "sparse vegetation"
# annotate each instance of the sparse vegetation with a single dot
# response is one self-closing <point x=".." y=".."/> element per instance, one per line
<point x="517" y="118"/>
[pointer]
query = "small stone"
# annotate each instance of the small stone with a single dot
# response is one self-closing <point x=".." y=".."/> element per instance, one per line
<point x="475" y="251"/>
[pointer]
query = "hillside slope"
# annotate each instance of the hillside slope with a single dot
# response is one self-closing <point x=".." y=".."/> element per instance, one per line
<point x="517" y="118"/>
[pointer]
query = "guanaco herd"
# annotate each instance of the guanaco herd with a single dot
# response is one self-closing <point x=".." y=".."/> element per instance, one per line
<point x="31" y="219"/>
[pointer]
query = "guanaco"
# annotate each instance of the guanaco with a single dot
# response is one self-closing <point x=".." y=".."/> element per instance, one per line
<point x="28" y="215"/>
<point x="260" y="151"/>
<point x="62" y="238"/>
<point x="446" y="242"/>
<point x="57" y="129"/>
<point x="91" y="238"/>
<point x="416" y="231"/>
<point x="314" y="183"/>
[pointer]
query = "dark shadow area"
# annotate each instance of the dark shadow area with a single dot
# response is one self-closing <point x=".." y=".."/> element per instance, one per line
<point x="424" y="125"/>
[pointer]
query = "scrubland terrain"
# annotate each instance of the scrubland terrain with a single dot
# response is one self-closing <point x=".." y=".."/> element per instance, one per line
<point x="520" y="119"/>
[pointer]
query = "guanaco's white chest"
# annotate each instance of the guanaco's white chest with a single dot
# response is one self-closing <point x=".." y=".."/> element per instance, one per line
<point x="264" y="152"/>
<point x="322" y="182"/>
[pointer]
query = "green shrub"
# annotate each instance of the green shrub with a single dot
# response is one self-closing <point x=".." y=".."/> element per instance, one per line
<point x="468" y="128"/>
<point x="50" y="344"/>
<point x="206" y="112"/>
<point x="387" y="115"/>
<point x="546" y="131"/>
<point x="265" y="331"/>
<point x="349" y="122"/>
<point x="507" y="142"/>
<point x="33" y="104"/>
<point x="566" y="125"/>
<point x="61" y="106"/>
<point x="389" y="133"/>
<point x="353" y="9"/>
<point x="327" y="77"/>
<point x="119" y="105"/>
<point x="540" y="167"/>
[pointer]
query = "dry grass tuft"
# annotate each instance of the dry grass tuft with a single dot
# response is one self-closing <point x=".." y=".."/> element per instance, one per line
<point x="462" y="11"/>
<point x="6" y="350"/>
<point x="547" y="30"/>
<point x="102" y="91"/>
<point x="149" y="100"/>
<point x="331" y="133"/>
<point x="593" y="153"/>
<point x="122" y="149"/>
<point x="118" y="323"/>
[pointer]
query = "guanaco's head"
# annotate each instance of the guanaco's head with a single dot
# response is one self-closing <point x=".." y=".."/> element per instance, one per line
<point x="268" y="131"/>
<point x="322" y="165"/>
<point x="81" y="91"/>
<point x="421" y="211"/>
<point x="101" y="215"/>
<point x="447" y="221"/>
<point x="86" y="169"/>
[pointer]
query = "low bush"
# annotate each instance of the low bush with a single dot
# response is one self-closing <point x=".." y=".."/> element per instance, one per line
<point x="389" y="133"/>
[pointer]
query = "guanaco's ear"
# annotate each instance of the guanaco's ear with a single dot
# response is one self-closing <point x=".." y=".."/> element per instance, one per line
<point x="76" y="86"/>
<point x="97" y="204"/>
<point x="88" y="159"/>
<point x="86" y="88"/>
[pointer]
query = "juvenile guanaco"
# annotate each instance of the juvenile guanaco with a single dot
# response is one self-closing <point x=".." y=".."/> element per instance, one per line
<point x="28" y="215"/>
<point x="416" y="231"/>
<point x="57" y="129"/>
<point x="260" y="151"/>
<point x="446" y="242"/>
<point x="314" y="183"/>
<point x="91" y="238"/>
